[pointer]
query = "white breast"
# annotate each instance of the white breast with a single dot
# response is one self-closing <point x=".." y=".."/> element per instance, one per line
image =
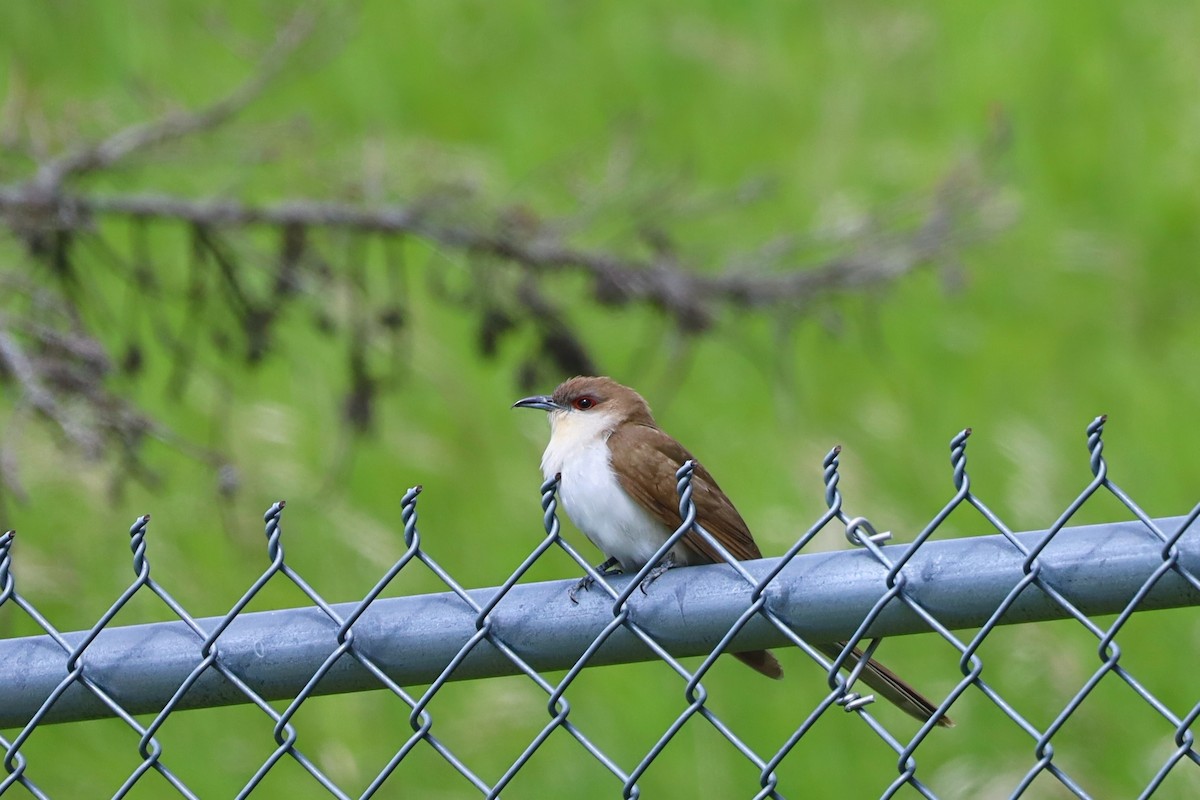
<point x="592" y="496"/>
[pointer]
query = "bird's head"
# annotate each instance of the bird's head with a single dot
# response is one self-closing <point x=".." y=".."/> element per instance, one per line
<point x="591" y="403"/>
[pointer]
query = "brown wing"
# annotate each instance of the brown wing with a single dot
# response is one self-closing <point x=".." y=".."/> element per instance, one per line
<point x="653" y="457"/>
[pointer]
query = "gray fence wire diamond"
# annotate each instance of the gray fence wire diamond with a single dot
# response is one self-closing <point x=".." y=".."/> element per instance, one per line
<point x="254" y="658"/>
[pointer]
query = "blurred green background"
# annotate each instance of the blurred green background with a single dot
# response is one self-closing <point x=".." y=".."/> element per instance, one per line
<point x="1084" y="305"/>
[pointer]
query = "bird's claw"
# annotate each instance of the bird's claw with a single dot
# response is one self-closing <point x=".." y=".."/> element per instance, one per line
<point x="610" y="567"/>
<point x="585" y="583"/>
<point x="658" y="571"/>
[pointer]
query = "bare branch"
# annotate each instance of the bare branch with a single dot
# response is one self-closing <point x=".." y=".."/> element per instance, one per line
<point x="62" y="370"/>
<point x="689" y="292"/>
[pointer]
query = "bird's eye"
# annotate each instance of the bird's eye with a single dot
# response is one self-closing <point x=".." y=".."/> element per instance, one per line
<point x="584" y="403"/>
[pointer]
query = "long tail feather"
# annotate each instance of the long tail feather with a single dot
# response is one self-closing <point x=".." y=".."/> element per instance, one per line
<point x="762" y="661"/>
<point x="889" y="685"/>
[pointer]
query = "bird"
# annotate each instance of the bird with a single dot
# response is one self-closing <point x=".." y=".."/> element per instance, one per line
<point x="616" y="471"/>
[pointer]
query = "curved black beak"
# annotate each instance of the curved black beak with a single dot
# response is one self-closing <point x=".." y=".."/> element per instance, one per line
<point x="543" y="401"/>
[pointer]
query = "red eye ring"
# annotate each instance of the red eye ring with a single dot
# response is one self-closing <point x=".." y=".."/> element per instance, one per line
<point x="583" y="403"/>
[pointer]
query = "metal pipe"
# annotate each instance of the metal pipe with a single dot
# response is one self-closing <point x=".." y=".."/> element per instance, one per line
<point x="822" y="596"/>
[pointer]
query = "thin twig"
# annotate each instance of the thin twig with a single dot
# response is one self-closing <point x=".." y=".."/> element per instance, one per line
<point x="10" y="479"/>
<point x="42" y="399"/>
<point x="178" y="124"/>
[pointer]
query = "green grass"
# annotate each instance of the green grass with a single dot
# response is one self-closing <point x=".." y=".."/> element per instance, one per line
<point x="1084" y="306"/>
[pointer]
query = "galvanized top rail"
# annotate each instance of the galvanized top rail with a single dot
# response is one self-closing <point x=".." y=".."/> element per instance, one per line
<point x="823" y="597"/>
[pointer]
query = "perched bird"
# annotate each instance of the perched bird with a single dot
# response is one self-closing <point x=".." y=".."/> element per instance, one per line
<point x="617" y="484"/>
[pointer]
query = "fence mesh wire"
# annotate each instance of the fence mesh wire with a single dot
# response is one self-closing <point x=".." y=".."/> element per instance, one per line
<point x="145" y="674"/>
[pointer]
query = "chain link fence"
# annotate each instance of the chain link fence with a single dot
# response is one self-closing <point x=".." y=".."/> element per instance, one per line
<point x="144" y="674"/>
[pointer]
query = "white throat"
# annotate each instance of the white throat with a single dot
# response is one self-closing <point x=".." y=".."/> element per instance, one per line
<point x="572" y="433"/>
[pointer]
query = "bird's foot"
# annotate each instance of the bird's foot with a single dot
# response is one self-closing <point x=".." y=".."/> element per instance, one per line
<point x="610" y="567"/>
<point x="660" y="568"/>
